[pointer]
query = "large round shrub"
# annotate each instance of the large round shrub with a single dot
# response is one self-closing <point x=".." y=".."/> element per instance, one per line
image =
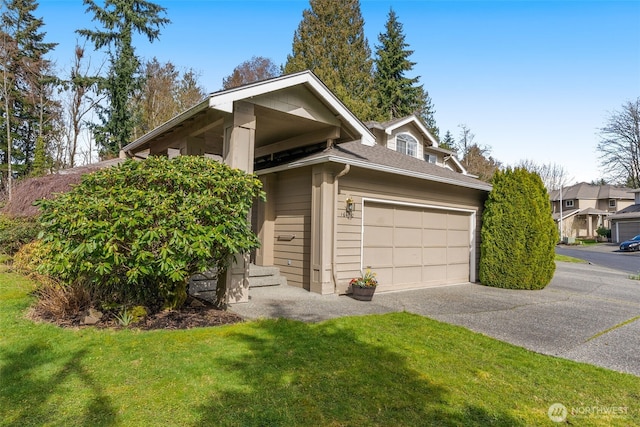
<point x="518" y="233"/>
<point x="135" y="233"/>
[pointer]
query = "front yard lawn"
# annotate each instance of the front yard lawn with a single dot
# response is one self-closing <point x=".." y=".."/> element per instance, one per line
<point x="381" y="370"/>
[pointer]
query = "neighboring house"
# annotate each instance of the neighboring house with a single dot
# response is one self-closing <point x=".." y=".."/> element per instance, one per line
<point x="586" y="207"/>
<point x="626" y="222"/>
<point x="340" y="197"/>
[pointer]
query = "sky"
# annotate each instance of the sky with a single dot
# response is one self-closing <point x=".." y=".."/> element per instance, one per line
<point x="531" y="79"/>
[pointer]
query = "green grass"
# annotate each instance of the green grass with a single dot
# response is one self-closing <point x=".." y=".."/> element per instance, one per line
<point x="380" y="370"/>
<point x="587" y="242"/>
<point x="566" y="258"/>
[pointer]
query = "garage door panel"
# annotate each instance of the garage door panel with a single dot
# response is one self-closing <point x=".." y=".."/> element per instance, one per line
<point x="458" y="238"/>
<point x="457" y="273"/>
<point x="407" y="216"/>
<point x="384" y="275"/>
<point x="434" y="256"/>
<point x="458" y="255"/>
<point x="407" y="256"/>
<point x="434" y="273"/>
<point x="434" y="237"/>
<point x="378" y="237"/>
<point x="434" y="219"/>
<point x="407" y="237"/>
<point x="378" y="256"/>
<point x="407" y="274"/>
<point x="378" y="215"/>
<point x="457" y="221"/>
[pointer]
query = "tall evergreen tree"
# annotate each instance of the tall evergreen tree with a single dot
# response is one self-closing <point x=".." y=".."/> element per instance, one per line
<point x="330" y="42"/>
<point x="121" y="19"/>
<point x="396" y="94"/>
<point x="448" y="142"/>
<point x="27" y="104"/>
<point x="518" y="234"/>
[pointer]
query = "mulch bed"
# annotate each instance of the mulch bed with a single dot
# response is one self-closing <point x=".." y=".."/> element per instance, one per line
<point x="198" y="315"/>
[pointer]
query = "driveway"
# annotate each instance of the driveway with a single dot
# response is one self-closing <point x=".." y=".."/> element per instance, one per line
<point x="605" y="255"/>
<point x="587" y="313"/>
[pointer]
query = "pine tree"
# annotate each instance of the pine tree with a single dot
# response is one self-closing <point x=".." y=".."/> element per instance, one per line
<point x="396" y="94"/>
<point x="518" y="233"/>
<point x="448" y="142"/>
<point x="330" y="42"/>
<point x="27" y="105"/>
<point x="121" y="19"/>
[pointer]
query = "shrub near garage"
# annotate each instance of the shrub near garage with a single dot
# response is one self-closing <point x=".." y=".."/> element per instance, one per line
<point x="518" y="233"/>
<point x="134" y="234"/>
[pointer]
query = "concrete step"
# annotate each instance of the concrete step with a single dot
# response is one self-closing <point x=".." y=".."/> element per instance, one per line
<point x="260" y="271"/>
<point x="257" y="282"/>
<point x="259" y="276"/>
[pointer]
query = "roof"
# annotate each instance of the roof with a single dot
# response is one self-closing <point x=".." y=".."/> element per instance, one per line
<point x="394" y="124"/>
<point x="629" y="212"/>
<point x="382" y="159"/>
<point x="588" y="211"/>
<point x="224" y="100"/>
<point x="584" y="191"/>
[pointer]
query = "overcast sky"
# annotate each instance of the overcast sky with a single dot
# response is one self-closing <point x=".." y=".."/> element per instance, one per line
<point x="531" y="79"/>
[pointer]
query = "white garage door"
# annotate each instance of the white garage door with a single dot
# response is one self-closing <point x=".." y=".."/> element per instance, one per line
<point x="410" y="247"/>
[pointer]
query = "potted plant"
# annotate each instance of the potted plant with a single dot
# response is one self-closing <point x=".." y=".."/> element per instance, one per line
<point x="363" y="287"/>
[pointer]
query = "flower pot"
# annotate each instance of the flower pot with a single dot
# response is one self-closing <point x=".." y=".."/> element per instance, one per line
<point x="362" y="294"/>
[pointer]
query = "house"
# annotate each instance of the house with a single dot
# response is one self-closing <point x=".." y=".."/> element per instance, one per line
<point x="626" y="222"/>
<point x="341" y="197"/>
<point x="586" y="207"/>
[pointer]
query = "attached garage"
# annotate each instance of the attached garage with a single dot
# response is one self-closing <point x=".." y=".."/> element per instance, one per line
<point x="412" y="246"/>
<point x="625" y="229"/>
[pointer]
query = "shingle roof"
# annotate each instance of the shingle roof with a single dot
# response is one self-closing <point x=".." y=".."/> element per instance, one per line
<point x="382" y="158"/>
<point x="632" y="211"/>
<point x="584" y="191"/>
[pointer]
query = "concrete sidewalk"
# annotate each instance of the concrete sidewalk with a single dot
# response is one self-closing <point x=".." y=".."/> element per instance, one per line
<point x="588" y="313"/>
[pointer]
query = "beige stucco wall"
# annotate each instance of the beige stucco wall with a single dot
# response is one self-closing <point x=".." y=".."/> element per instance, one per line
<point x="359" y="184"/>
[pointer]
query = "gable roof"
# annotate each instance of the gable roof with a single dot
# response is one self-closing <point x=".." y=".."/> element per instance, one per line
<point x="391" y="125"/>
<point x="382" y="159"/>
<point x="223" y="101"/>
<point x="584" y="191"/>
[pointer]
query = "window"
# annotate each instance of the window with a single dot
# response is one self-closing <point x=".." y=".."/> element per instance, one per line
<point x="406" y="144"/>
<point x="568" y="203"/>
<point x="430" y="158"/>
<point x="612" y="203"/>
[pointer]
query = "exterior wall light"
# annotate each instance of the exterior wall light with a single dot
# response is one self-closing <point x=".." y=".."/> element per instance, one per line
<point x="349" y="207"/>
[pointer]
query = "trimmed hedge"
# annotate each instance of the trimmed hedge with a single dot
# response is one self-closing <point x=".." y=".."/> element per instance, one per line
<point x="518" y="233"/>
<point x="134" y="234"/>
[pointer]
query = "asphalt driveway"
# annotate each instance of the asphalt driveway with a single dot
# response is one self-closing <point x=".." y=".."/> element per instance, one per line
<point x="605" y="255"/>
<point x="588" y="313"/>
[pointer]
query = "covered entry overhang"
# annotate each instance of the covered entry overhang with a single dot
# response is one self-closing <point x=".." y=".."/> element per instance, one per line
<point x="255" y="126"/>
<point x="278" y="117"/>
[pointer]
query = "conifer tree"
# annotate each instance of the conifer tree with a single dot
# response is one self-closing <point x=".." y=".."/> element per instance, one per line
<point x="330" y="42"/>
<point x="121" y="19"/>
<point x="518" y="233"/>
<point x="448" y="142"/>
<point x="27" y="104"/>
<point x="396" y="94"/>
